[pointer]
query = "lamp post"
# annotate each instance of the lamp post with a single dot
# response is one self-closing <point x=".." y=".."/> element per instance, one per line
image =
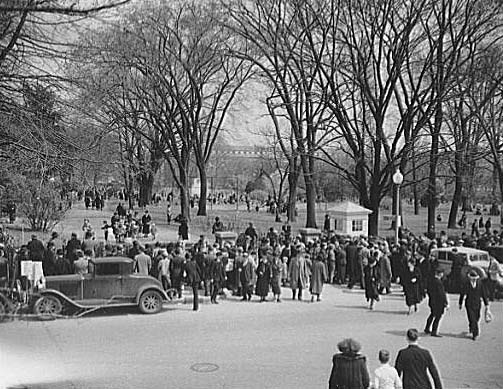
<point x="397" y="180"/>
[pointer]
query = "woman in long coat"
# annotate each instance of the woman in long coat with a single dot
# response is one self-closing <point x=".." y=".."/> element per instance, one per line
<point x="385" y="273"/>
<point x="298" y="274"/>
<point x="412" y="285"/>
<point x="277" y="271"/>
<point x="349" y="368"/>
<point x="318" y="277"/>
<point x="264" y="273"/>
<point x="371" y="281"/>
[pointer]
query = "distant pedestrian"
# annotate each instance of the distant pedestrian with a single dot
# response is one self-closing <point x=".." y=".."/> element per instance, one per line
<point x="246" y="278"/>
<point x="349" y="368"/>
<point x="146" y="219"/>
<point x="474" y="291"/>
<point x="176" y="271"/>
<point x="318" y="277"/>
<point x="193" y="279"/>
<point x="437" y="301"/>
<point x="371" y="281"/>
<point x="413" y="364"/>
<point x="326" y="223"/>
<point x="386" y="376"/>
<point x="488" y="226"/>
<point x="411" y="281"/>
<point x="142" y="262"/>
<point x="218" y="277"/>
<point x="264" y="274"/>
<point x="276" y="272"/>
<point x="298" y="273"/>
<point x="169" y="214"/>
<point x="163" y="269"/>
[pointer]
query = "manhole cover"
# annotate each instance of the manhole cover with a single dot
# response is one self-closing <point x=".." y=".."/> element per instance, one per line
<point x="204" y="367"/>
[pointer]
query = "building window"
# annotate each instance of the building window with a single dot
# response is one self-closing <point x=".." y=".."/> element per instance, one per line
<point x="357" y="225"/>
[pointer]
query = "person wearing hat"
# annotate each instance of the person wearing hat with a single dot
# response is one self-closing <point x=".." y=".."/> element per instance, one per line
<point x="36" y="249"/>
<point x="176" y="271"/>
<point x="437" y="301"/>
<point x="349" y="367"/>
<point x="71" y="247"/>
<point x="193" y="279"/>
<point x="412" y="281"/>
<point x="472" y="293"/>
<point x="217" y="274"/>
<point x="413" y="364"/>
<point x="371" y="280"/>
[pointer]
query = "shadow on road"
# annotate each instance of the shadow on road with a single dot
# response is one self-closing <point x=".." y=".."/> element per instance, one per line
<point x="366" y="308"/>
<point x="402" y="334"/>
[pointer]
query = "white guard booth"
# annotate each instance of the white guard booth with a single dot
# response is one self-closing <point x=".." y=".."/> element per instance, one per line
<point x="350" y="218"/>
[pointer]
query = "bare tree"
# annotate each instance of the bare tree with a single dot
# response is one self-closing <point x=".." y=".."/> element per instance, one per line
<point x="278" y="33"/>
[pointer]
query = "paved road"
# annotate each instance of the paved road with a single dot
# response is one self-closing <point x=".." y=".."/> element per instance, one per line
<point x="238" y="345"/>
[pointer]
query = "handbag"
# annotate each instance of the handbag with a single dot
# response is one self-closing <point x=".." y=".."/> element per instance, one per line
<point x="488" y="316"/>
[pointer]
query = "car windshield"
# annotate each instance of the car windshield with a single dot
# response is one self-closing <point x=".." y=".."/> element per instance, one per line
<point x="107" y="269"/>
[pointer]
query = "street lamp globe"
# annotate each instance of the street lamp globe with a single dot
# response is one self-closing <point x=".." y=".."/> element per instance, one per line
<point x="398" y="177"/>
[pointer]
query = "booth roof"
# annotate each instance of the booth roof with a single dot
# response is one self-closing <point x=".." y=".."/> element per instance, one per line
<point x="348" y="208"/>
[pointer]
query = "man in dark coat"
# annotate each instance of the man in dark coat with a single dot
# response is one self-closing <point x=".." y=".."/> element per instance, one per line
<point x="71" y="248"/>
<point x="36" y="249"/>
<point x="146" y="219"/>
<point x="176" y="271"/>
<point x="413" y="364"/>
<point x="352" y="263"/>
<point x="326" y="223"/>
<point x="437" y="301"/>
<point x="246" y="278"/>
<point x="217" y="273"/>
<point x="193" y="279"/>
<point x="474" y="292"/>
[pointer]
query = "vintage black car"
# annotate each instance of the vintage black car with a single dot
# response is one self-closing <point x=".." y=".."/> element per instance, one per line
<point x="110" y="283"/>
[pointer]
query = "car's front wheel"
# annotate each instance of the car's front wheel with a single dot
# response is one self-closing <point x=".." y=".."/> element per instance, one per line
<point x="150" y="302"/>
<point x="47" y="307"/>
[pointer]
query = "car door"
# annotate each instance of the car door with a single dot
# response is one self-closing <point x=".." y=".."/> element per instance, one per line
<point x="104" y="286"/>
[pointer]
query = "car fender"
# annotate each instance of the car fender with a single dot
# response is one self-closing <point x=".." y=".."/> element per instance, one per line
<point x="150" y="287"/>
<point x="480" y="271"/>
<point x="59" y="295"/>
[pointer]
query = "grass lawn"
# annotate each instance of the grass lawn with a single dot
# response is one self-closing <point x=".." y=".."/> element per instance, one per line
<point x="235" y="218"/>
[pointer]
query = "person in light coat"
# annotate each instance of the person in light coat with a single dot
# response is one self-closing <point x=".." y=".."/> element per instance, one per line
<point x="298" y="274"/>
<point x="318" y="277"/>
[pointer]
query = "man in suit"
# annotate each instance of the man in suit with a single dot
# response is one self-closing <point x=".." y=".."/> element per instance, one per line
<point x="413" y="364"/>
<point x="437" y="301"/>
<point x="474" y="292"/>
<point x="193" y="278"/>
<point x="217" y="274"/>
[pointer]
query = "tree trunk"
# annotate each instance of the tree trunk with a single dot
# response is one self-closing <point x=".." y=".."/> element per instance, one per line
<point x="415" y="192"/>
<point x="203" y="193"/>
<point x="293" y="179"/>
<point x="373" y="205"/>
<point x="146" y="186"/>
<point x="184" y="192"/>
<point x="310" y="192"/>
<point x="432" y="184"/>
<point x="456" y="201"/>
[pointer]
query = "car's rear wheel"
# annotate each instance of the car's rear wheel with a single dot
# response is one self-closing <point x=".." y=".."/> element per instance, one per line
<point x="150" y="302"/>
<point x="47" y="307"/>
